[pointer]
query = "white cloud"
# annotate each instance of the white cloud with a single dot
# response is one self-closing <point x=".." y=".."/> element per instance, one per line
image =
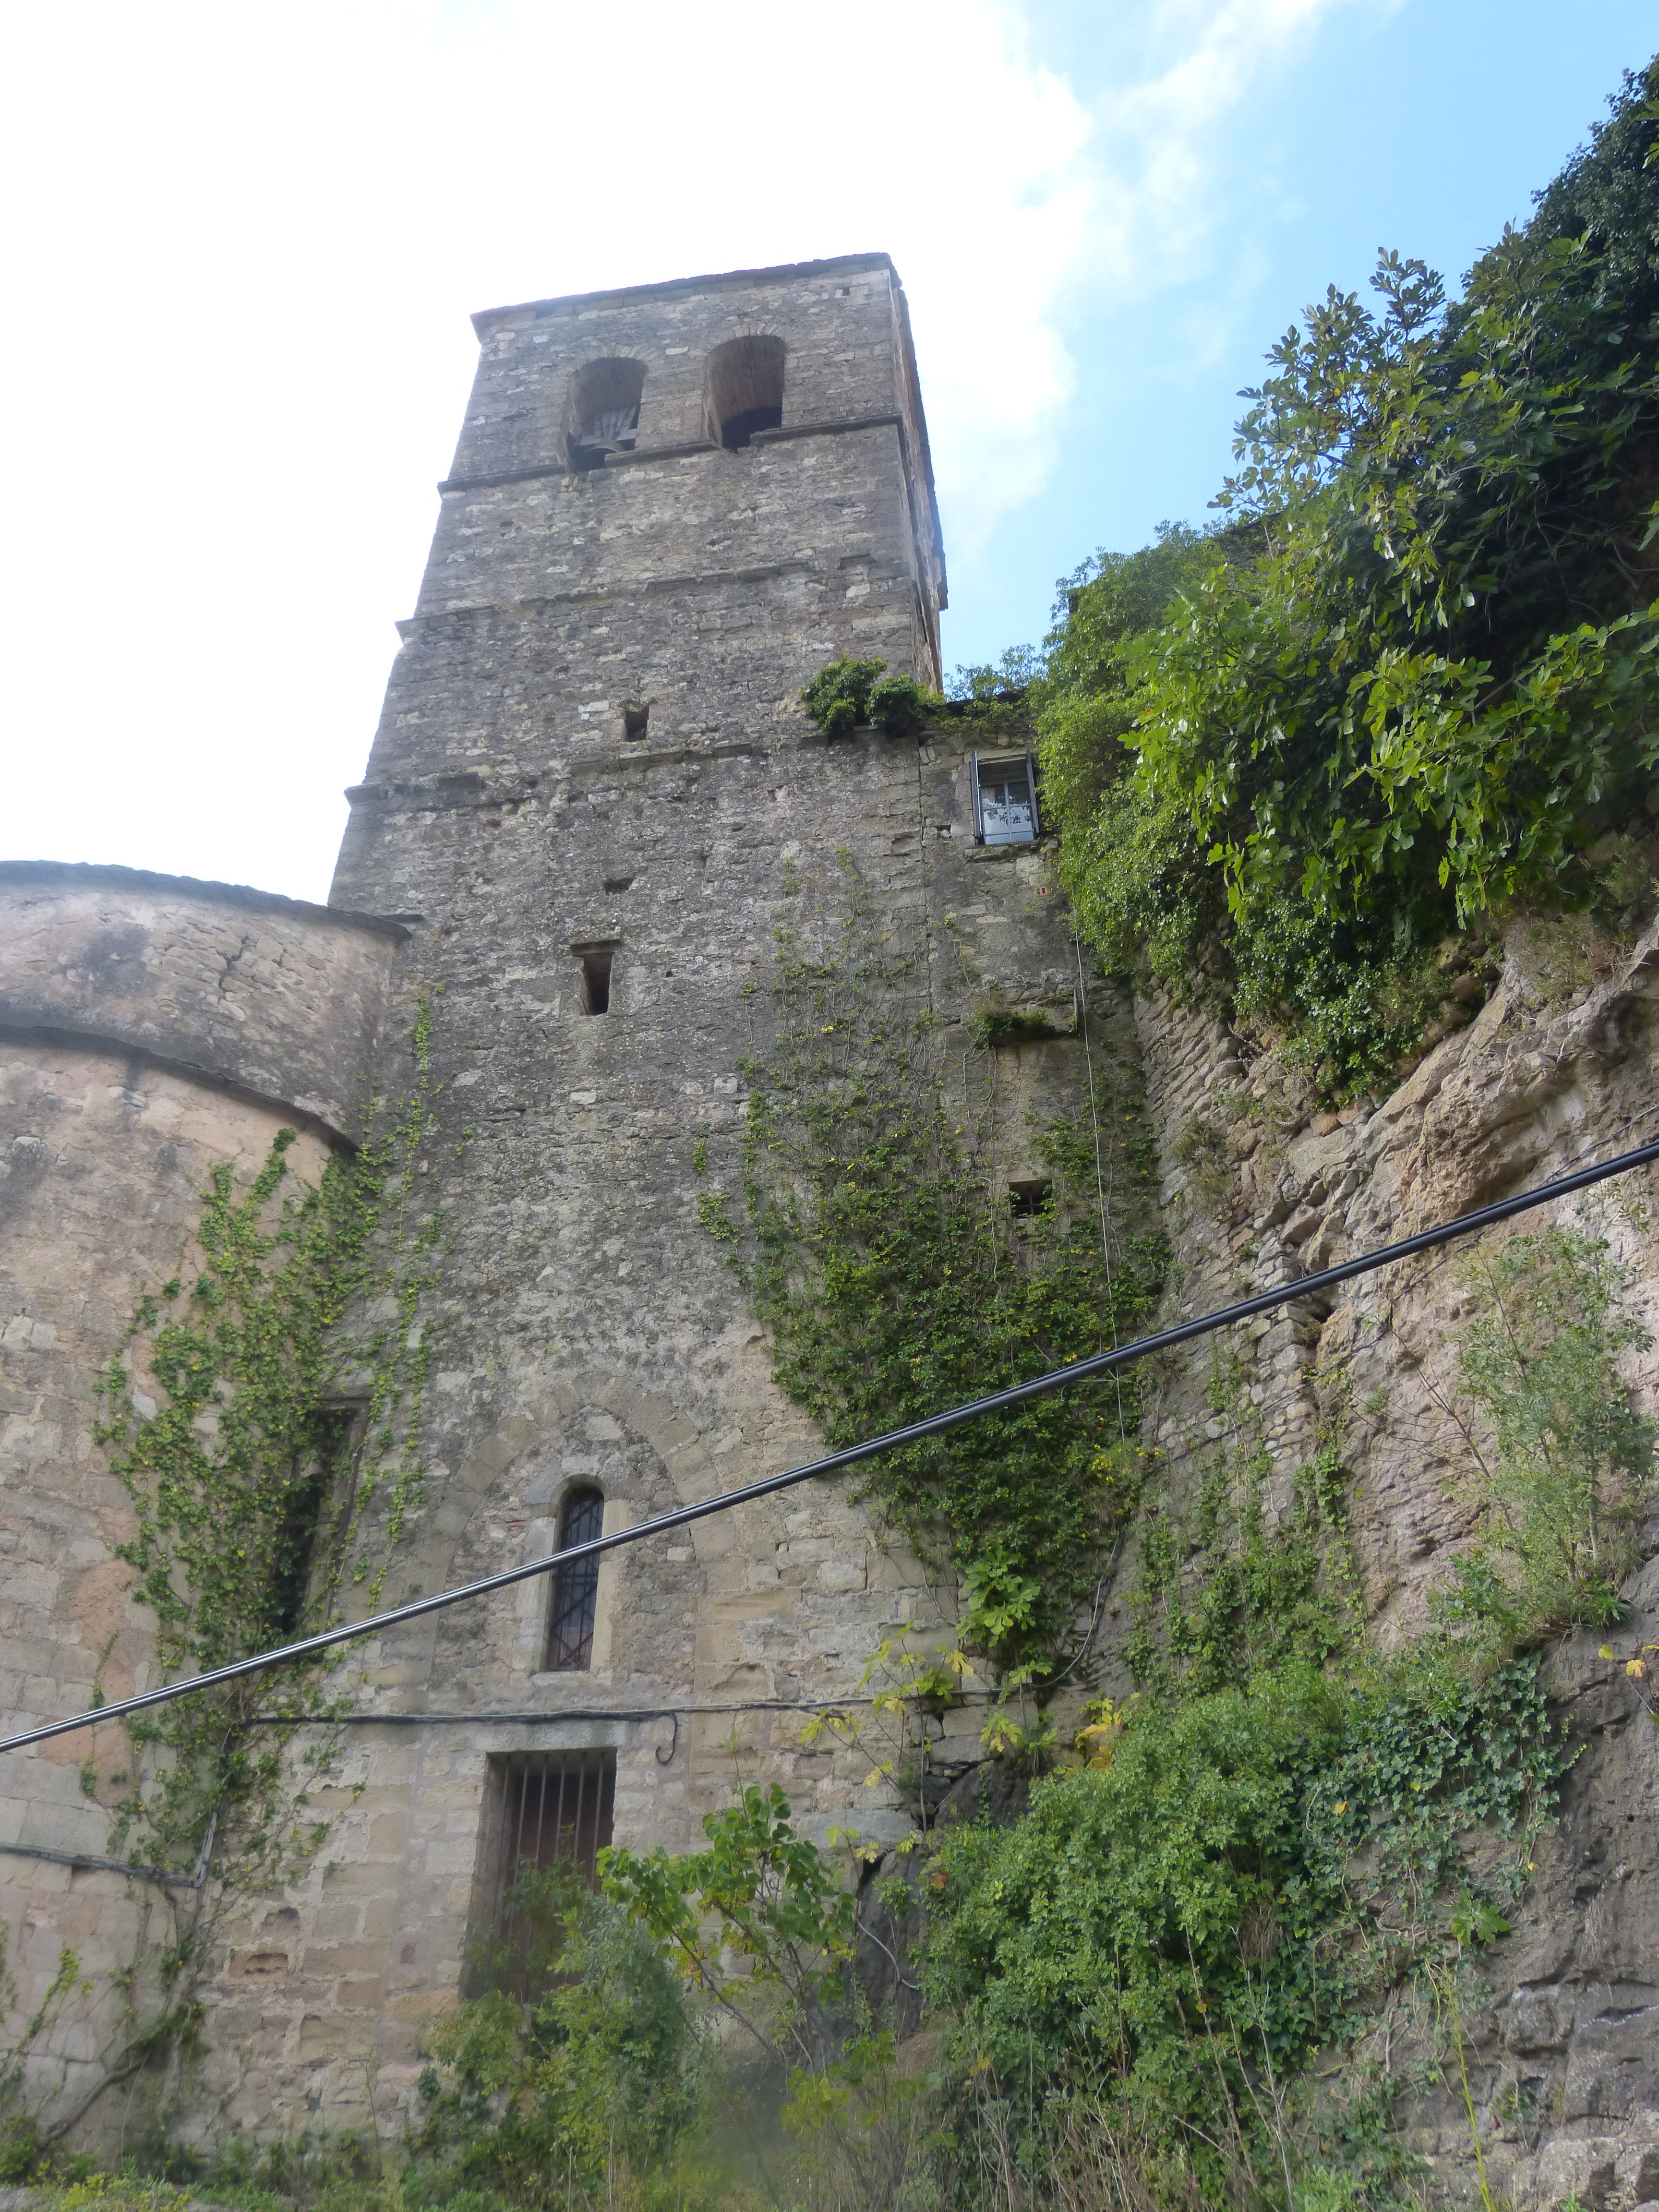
<point x="1160" y="138"/>
<point x="239" y="352"/>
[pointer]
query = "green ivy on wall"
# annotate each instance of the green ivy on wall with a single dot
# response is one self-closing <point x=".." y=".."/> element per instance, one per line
<point x="264" y="1414"/>
<point x="895" y="1280"/>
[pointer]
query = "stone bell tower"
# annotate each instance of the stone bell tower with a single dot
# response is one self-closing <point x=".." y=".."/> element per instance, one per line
<point x="669" y="507"/>
<point x="592" y="788"/>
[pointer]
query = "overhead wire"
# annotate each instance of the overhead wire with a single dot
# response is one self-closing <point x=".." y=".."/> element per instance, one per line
<point x="939" y="1424"/>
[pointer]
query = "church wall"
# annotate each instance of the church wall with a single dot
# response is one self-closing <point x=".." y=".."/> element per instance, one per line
<point x="586" y="1326"/>
<point x="103" y="1158"/>
<point x="589" y="1329"/>
<point x="281" y="999"/>
<point x="150" y="1027"/>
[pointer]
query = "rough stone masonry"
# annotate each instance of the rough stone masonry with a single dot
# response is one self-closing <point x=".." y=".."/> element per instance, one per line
<point x="591" y="787"/>
<point x="591" y="795"/>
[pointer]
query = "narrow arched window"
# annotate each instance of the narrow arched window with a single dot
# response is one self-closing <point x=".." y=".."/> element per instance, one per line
<point x="746" y="389"/>
<point x="575" y="1587"/>
<point x="603" y="414"/>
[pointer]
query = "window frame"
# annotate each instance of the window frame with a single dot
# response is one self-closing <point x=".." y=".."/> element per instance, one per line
<point x="511" y="1780"/>
<point x="978" y="764"/>
<point x="575" y="1587"/>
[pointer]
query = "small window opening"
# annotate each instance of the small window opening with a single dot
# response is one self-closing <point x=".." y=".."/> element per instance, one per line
<point x="634" y="719"/>
<point x="576" y="1587"/>
<point x="746" y="389"/>
<point x="1003" y="793"/>
<point x="594" y="996"/>
<point x="548" y="1812"/>
<point x="619" y="882"/>
<point x="603" y="413"/>
<point x="321" y="1480"/>
<point x="1028" y="1198"/>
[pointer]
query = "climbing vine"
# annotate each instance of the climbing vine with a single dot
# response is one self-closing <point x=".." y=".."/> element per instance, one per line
<point x="896" y="1279"/>
<point x="1244" y="1567"/>
<point x="263" y="1413"/>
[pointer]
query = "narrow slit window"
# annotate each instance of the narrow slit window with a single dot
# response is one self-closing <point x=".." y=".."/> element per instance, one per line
<point x="1005" y="801"/>
<point x="595" y="994"/>
<point x="604" y="412"/>
<point x="746" y="389"/>
<point x="575" y="1587"/>
<point x="635" y="721"/>
<point x="316" y="1510"/>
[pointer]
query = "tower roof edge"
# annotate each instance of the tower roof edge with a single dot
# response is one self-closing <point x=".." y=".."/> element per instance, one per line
<point x="736" y="279"/>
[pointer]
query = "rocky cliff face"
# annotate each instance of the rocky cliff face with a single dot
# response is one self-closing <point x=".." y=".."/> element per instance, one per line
<point x="1557" y="1068"/>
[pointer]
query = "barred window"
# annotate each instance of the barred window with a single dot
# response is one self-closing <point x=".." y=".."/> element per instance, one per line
<point x="547" y="1813"/>
<point x="575" y="1587"/>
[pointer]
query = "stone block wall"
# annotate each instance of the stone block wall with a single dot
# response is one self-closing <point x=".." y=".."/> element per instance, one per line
<point x="151" y="1028"/>
<point x="271" y="997"/>
<point x="589" y="1330"/>
<point x="593" y="745"/>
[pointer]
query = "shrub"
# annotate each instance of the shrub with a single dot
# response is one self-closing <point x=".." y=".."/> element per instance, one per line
<point x="846" y="693"/>
<point x="1172" y="1935"/>
<point x="602" y="2072"/>
<point x="897" y="705"/>
<point x="1566" y="1463"/>
<point x="1410" y="674"/>
<point x="838" y="697"/>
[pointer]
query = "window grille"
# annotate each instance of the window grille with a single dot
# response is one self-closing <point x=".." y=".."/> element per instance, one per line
<point x="1005" y="799"/>
<point x="575" y="1587"/>
<point x="548" y="1809"/>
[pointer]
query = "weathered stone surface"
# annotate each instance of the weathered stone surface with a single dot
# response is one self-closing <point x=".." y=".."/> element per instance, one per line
<point x="1532" y="1088"/>
<point x="268" y="995"/>
<point x="589" y="1331"/>
<point x="592" y="742"/>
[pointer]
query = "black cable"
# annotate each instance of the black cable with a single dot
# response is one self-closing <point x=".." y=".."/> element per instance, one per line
<point x="1100" y="1362"/>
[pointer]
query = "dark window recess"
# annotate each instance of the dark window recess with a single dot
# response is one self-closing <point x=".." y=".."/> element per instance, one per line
<point x="549" y="1811"/>
<point x="746" y="389"/>
<point x="1005" y="799"/>
<point x="603" y="414"/>
<point x="595" y="994"/>
<point x="316" y="1510"/>
<point x="1028" y="1199"/>
<point x="619" y="882"/>
<point x="634" y="719"/>
<point x="575" y="1587"/>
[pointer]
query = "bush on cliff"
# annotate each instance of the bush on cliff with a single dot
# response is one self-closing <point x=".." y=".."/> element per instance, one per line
<point x="1411" y="673"/>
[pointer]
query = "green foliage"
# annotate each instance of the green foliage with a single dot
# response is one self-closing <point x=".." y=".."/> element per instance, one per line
<point x="539" y="2103"/>
<point x="838" y="697"/>
<point x="846" y="693"/>
<point x="1412" y="675"/>
<point x="714" y="1216"/>
<point x="895" y="1282"/>
<point x="1176" y="1933"/>
<point x="245" y="1500"/>
<point x="760" y="1894"/>
<point x="995" y="683"/>
<point x="898" y="704"/>
<point x="1225" y="1590"/>
<point x="24" y="2144"/>
<point x="1566" y="1467"/>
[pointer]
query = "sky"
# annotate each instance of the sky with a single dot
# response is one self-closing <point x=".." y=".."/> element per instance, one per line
<point x="244" y="243"/>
